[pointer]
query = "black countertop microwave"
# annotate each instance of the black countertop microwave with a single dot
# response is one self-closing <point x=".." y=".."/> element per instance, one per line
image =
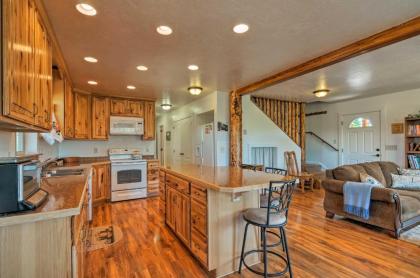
<point x="18" y="181"/>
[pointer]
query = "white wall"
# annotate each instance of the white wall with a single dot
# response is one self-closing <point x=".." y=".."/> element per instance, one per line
<point x="260" y="131"/>
<point x="217" y="102"/>
<point x="100" y="148"/>
<point x="7" y="143"/>
<point x="393" y="108"/>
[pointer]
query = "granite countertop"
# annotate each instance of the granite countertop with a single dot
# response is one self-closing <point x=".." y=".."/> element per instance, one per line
<point x="65" y="199"/>
<point x="224" y="179"/>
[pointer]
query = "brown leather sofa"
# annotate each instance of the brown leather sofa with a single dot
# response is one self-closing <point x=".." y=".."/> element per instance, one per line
<point x="391" y="209"/>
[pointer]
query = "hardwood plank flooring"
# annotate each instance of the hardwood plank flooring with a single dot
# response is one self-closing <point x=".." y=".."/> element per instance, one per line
<point x="319" y="247"/>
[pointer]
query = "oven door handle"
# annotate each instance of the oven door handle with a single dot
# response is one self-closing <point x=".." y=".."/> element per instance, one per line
<point x="127" y="164"/>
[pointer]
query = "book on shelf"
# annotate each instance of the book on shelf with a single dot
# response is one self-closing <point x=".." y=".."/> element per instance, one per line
<point x="413" y="130"/>
<point x="414" y="161"/>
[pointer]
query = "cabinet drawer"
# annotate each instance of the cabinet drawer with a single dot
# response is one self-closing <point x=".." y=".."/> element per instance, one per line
<point x="199" y="217"/>
<point x="153" y="164"/>
<point x="199" y="246"/>
<point x="178" y="183"/>
<point x="199" y="193"/>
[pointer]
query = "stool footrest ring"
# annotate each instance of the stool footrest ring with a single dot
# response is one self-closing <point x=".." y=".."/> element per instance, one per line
<point x="273" y="274"/>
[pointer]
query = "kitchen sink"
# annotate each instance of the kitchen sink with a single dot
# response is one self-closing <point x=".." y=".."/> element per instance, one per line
<point x="64" y="172"/>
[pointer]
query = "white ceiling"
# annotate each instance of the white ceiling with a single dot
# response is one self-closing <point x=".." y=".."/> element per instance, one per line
<point x="386" y="70"/>
<point x="282" y="34"/>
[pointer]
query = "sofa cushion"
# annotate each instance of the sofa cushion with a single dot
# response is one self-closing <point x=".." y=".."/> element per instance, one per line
<point x="349" y="172"/>
<point x="373" y="169"/>
<point x="388" y="168"/>
<point x="410" y="203"/>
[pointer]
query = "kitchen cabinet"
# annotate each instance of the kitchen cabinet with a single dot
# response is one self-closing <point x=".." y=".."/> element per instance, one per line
<point x="162" y="194"/>
<point x="149" y="120"/>
<point x="118" y="107"/>
<point x="80" y="227"/>
<point x="100" y="117"/>
<point x="101" y="183"/>
<point x="68" y="109"/>
<point x="27" y="63"/>
<point x="82" y="118"/>
<point x="178" y="207"/>
<point x="136" y="108"/>
<point x="152" y="178"/>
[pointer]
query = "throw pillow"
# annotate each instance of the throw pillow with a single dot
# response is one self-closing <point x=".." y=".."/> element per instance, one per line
<point x="409" y="172"/>
<point x="405" y="182"/>
<point x="365" y="178"/>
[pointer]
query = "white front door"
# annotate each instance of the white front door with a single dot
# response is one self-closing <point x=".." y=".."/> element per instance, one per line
<point x="361" y="139"/>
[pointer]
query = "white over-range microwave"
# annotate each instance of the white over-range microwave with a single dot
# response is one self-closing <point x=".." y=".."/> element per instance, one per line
<point x="126" y="126"/>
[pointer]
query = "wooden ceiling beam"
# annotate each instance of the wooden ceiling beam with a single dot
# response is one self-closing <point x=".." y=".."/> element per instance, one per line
<point x="395" y="34"/>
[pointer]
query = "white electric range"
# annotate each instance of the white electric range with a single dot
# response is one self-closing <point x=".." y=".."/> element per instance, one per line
<point x="128" y="174"/>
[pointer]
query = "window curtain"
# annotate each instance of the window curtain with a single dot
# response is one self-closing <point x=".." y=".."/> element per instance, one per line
<point x="263" y="156"/>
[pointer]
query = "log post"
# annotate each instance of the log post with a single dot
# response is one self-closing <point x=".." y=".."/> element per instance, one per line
<point x="235" y="133"/>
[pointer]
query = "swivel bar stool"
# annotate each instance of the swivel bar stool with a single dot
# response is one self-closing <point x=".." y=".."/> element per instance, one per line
<point x="274" y="216"/>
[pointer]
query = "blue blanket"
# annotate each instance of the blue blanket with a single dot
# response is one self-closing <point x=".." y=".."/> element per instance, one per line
<point x="357" y="198"/>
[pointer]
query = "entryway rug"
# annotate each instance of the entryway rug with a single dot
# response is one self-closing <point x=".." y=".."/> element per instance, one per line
<point x="102" y="237"/>
<point x="412" y="235"/>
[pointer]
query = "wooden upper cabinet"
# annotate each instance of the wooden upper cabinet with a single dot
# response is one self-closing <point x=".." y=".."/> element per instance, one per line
<point x="149" y="120"/>
<point x="18" y="36"/>
<point x="68" y="110"/>
<point x="136" y="108"/>
<point x="27" y="56"/>
<point x="82" y="116"/>
<point x="100" y="117"/>
<point x="118" y="106"/>
<point x="42" y="76"/>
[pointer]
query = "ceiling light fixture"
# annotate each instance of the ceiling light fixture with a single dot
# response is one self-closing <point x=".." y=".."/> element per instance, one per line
<point x="164" y="30"/>
<point x="321" y="93"/>
<point x="166" y="106"/>
<point x="91" y="59"/>
<point x="195" y="90"/>
<point x="86" y="9"/>
<point x="142" y="68"/>
<point x="240" y="28"/>
<point x="92" y="82"/>
<point x="131" y="87"/>
<point x="193" y="67"/>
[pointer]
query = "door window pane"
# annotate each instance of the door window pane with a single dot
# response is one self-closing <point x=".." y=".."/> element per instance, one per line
<point x="360" y="122"/>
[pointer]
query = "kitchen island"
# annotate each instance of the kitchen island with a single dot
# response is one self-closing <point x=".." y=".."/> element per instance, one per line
<point x="203" y="207"/>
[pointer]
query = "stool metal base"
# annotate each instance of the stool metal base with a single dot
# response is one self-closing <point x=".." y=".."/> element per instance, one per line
<point x="273" y="274"/>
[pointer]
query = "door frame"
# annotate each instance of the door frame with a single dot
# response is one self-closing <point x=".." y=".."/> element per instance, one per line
<point x="382" y="134"/>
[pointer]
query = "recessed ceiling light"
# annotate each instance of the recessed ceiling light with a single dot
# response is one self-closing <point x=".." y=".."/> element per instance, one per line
<point x="240" y="28"/>
<point x="164" y="30"/>
<point x="131" y="87"/>
<point x="195" y="90"/>
<point x="321" y="93"/>
<point x="91" y="59"/>
<point x="193" y="67"/>
<point x="86" y="9"/>
<point x="92" y="82"/>
<point x="142" y="68"/>
<point x="166" y="106"/>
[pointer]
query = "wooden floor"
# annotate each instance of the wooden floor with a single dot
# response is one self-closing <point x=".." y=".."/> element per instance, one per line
<point x="319" y="247"/>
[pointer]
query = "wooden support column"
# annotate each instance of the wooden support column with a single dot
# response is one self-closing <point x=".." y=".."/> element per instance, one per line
<point x="302" y="132"/>
<point x="235" y="131"/>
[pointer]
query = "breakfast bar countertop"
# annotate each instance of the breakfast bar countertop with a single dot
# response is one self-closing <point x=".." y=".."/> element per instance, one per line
<point x="65" y="198"/>
<point x="224" y="178"/>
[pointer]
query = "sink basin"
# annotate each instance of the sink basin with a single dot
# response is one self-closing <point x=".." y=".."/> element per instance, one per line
<point x="64" y="172"/>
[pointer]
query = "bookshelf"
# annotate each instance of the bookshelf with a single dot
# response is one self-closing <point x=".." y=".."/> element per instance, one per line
<point x="412" y="143"/>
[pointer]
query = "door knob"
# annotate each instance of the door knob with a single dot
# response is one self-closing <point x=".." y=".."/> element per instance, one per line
<point x="377" y="155"/>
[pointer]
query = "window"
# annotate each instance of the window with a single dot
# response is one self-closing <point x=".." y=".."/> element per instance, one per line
<point x="360" y="122"/>
<point x="264" y="156"/>
<point x="20" y="142"/>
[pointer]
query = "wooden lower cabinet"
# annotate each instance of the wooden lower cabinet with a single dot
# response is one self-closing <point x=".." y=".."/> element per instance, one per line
<point x="186" y="214"/>
<point x="152" y="178"/>
<point x="101" y="183"/>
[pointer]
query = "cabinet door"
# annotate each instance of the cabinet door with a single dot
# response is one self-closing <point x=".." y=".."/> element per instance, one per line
<point x="100" y="117"/>
<point x="182" y="222"/>
<point x="82" y="116"/>
<point x="149" y="120"/>
<point x="136" y="108"/>
<point x="171" y="208"/>
<point x="42" y="75"/>
<point x="100" y="183"/>
<point x="68" y="110"/>
<point x="18" y="36"/>
<point x="118" y="106"/>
